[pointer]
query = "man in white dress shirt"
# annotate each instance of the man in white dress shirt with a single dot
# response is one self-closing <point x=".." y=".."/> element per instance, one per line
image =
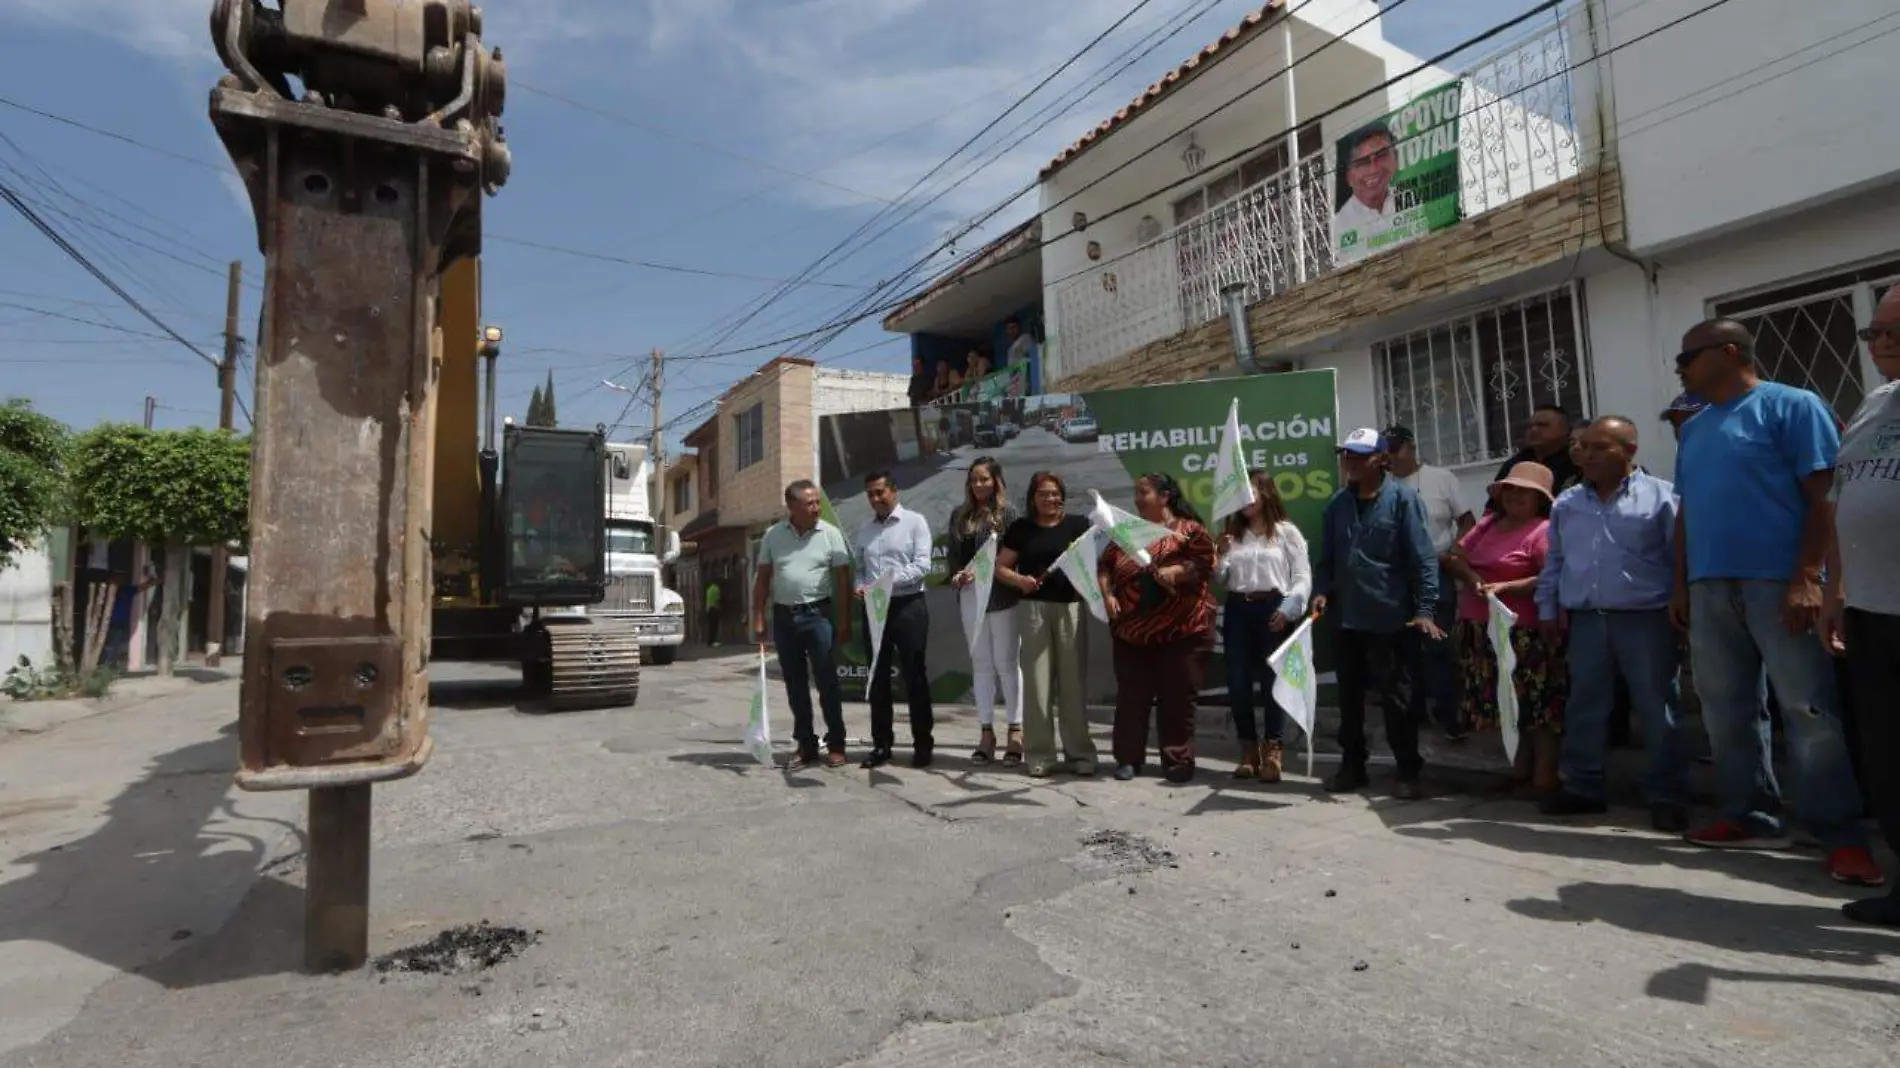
<point x="1446" y="519"/>
<point x="896" y="540"/>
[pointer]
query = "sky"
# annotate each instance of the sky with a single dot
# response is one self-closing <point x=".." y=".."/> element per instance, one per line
<point x="727" y="144"/>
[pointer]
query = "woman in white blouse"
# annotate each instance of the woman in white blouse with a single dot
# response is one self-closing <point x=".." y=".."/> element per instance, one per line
<point x="1269" y="583"/>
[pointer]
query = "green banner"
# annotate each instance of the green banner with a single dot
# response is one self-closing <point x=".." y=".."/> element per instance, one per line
<point x="1096" y="441"/>
<point x="1396" y="179"/>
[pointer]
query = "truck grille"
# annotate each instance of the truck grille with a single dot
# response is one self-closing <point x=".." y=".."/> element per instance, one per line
<point x="629" y="593"/>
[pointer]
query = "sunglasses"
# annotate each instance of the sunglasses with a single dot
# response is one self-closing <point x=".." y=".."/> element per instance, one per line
<point x="1872" y="334"/>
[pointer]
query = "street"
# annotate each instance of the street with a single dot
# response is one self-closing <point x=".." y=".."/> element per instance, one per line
<point x="685" y="906"/>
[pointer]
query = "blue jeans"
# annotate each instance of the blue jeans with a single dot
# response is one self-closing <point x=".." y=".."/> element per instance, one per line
<point x="805" y="642"/>
<point x="1638" y="649"/>
<point x="1434" y="671"/>
<point x="1735" y="629"/>
<point x="1248" y="640"/>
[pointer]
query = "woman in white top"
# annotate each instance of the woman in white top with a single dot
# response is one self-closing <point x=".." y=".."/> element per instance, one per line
<point x="1269" y="583"/>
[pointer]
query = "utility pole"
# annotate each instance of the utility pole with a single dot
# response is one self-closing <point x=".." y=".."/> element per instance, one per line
<point x="141" y="563"/>
<point x="659" y="466"/>
<point x="227" y="400"/>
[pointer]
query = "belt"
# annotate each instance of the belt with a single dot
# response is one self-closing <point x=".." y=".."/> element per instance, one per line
<point x="808" y="608"/>
<point x="1614" y="611"/>
<point x="1257" y="596"/>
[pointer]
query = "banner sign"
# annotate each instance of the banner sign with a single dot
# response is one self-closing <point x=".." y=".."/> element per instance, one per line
<point x="1396" y="179"/>
<point x="1095" y="441"/>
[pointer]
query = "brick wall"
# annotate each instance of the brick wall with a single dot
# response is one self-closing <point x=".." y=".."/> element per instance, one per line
<point x="1545" y="227"/>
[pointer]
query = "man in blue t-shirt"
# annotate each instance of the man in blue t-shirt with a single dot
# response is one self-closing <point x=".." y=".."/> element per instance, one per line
<point x="1754" y="470"/>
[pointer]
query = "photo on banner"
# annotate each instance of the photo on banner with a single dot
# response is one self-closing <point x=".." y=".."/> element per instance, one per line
<point x="1396" y="179"/>
<point x="1096" y="440"/>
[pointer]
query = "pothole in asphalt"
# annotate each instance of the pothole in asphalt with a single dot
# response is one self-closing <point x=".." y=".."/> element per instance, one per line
<point x="461" y="950"/>
<point x="1123" y="853"/>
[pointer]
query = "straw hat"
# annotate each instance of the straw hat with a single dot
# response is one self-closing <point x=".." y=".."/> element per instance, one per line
<point x="1531" y="476"/>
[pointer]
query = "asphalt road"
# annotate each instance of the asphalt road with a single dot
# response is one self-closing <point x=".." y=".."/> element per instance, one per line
<point x="695" y="909"/>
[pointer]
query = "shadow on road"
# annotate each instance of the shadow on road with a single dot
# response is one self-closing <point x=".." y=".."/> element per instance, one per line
<point x="1809" y="933"/>
<point x="111" y="896"/>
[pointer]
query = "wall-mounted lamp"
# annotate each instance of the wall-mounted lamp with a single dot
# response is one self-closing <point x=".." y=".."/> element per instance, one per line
<point x="1095" y="250"/>
<point x="1079" y="221"/>
<point x="1193" y="155"/>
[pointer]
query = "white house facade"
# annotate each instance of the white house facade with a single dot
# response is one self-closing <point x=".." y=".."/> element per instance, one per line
<point x="1625" y="169"/>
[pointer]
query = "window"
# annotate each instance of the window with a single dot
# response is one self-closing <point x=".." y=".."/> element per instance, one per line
<point x="709" y="471"/>
<point x="748" y="434"/>
<point x="683" y="494"/>
<point x="1468" y="387"/>
<point x="1804" y="333"/>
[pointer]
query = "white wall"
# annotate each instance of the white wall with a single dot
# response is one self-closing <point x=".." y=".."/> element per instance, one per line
<point x="1754" y="109"/>
<point x="1635" y="334"/>
<point x="26" y="610"/>
<point x="837" y="391"/>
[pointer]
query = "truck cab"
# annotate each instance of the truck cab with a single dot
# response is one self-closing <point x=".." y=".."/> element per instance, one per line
<point x="636" y="559"/>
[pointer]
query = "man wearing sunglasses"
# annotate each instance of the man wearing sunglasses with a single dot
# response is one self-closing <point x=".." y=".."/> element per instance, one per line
<point x="1860" y="617"/>
<point x="1755" y="472"/>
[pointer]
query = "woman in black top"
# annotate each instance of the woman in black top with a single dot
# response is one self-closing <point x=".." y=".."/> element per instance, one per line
<point x="985" y="513"/>
<point x="1049" y="619"/>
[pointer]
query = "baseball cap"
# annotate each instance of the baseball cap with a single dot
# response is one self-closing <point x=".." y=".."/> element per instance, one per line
<point x="1684" y="404"/>
<point x="1399" y="434"/>
<point x="1364" y="441"/>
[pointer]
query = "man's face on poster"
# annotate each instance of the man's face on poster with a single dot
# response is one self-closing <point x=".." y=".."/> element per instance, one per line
<point x="1374" y="163"/>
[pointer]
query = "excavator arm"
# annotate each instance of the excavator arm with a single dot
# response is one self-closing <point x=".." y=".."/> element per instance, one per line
<point x="366" y="133"/>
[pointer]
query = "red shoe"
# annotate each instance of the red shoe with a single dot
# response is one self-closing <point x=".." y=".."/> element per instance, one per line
<point x="1855" y="866"/>
<point x="1731" y="834"/>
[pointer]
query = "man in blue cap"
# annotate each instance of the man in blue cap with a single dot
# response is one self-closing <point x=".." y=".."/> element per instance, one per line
<point x="1376" y="560"/>
<point x="1681" y="410"/>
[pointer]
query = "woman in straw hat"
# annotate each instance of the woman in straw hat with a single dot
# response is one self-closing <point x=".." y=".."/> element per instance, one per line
<point x="1503" y="556"/>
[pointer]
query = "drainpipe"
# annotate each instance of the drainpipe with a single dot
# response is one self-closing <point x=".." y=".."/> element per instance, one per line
<point x="1233" y="296"/>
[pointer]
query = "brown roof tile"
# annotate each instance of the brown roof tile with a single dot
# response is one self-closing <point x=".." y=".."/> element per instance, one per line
<point x="1168" y="83"/>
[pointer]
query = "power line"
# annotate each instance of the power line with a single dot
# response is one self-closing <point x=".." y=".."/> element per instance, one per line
<point x="650" y="265"/>
<point x="113" y="135"/>
<point x="12" y="198"/>
<point x="1714" y="4"/>
<point x="704" y="146"/>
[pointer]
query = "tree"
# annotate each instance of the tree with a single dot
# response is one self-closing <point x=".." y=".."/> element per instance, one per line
<point x="548" y="417"/>
<point x="178" y="488"/>
<point x="534" y="408"/>
<point x="34" y="450"/>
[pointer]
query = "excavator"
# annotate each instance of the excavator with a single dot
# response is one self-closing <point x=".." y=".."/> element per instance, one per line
<point x="391" y="528"/>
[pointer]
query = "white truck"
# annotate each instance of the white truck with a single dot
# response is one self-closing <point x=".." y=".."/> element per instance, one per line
<point x="636" y="595"/>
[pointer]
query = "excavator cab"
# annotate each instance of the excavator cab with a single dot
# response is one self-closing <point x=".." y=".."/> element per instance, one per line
<point x="553" y="519"/>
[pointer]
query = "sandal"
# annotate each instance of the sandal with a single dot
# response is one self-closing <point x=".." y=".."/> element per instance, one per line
<point x="1013" y="752"/>
<point x="985" y="748"/>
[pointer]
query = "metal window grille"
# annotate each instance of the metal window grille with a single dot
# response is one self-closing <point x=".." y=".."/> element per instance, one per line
<point x="1467" y="387"/>
<point x="1804" y="332"/>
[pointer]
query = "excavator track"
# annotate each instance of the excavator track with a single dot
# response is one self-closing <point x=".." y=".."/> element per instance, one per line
<point x="588" y="663"/>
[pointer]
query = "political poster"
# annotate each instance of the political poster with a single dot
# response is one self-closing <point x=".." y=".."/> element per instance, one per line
<point x="1395" y="179"/>
<point x="1097" y="441"/>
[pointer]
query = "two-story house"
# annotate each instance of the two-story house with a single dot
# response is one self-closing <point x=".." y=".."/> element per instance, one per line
<point x="761" y="438"/>
<point x="1623" y="169"/>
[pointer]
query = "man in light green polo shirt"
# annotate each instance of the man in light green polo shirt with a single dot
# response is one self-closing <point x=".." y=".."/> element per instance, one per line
<point x="803" y="565"/>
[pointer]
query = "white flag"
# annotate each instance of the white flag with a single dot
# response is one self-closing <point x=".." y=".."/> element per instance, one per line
<point x="877" y="609"/>
<point x="1233" y="490"/>
<point x="1499" y="631"/>
<point x="1296" y="683"/>
<point x="976" y="596"/>
<point x="758" y="727"/>
<point x="1078" y="563"/>
<point x="1126" y="529"/>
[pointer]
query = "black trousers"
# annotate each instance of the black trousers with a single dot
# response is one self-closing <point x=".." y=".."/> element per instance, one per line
<point x="1364" y="662"/>
<point x="906" y="640"/>
<point x="1873" y="677"/>
<point x="712" y="626"/>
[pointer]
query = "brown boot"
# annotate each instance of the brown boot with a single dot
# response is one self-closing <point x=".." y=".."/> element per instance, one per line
<point x="985" y="748"/>
<point x="1249" y="763"/>
<point x="1272" y="760"/>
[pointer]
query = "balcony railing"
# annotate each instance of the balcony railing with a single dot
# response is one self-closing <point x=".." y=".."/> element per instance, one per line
<point x="1517" y="135"/>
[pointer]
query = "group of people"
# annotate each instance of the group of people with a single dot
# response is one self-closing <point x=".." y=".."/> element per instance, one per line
<point x="936" y="380"/>
<point x="1760" y="571"/>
